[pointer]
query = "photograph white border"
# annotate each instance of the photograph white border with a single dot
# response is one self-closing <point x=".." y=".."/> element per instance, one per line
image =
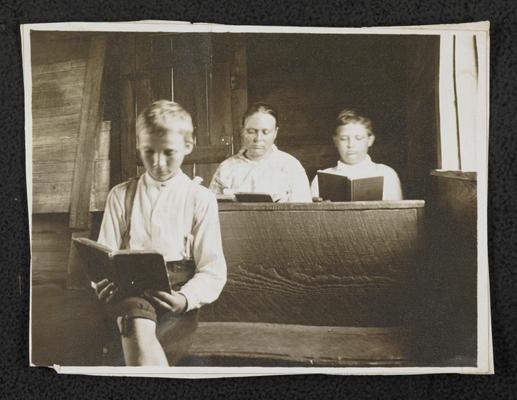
<point x="485" y="364"/>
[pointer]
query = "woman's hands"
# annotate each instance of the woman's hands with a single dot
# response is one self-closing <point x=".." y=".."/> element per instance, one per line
<point x="105" y="290"/>
<point x="174" y="301"/>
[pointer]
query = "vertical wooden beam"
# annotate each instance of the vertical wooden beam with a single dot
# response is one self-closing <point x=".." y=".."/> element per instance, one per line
<point x="184" y="64"/>
<point x="127" y="109"/>
<point x="239" y="84"/>
<point x="202" y="82"/>
<point x="221" y="132"/>
<point x="90" y="123"/>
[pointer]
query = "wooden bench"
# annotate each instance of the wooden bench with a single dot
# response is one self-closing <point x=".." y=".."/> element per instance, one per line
<point x="324" y="284"/>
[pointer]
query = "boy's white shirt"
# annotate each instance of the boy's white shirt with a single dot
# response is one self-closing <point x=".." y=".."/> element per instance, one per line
<point x="366" y="169"/>
<point x="158" y="223"/>
<point x="278" y="173"/>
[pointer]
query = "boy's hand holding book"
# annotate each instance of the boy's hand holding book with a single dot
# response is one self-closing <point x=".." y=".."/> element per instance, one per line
<point x="105" y="290"/>
<point x="173" y="301"/>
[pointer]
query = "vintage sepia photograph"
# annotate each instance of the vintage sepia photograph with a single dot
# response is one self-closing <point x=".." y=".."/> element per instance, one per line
<point x="307" y="200"/>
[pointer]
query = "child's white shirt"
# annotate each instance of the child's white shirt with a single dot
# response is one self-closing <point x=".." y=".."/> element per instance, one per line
<point x="158" y="223"/>
<point x="278" y="174"/>
<point x="366" y="169"/>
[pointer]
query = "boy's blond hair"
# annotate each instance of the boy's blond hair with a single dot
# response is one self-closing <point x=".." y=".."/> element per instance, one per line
<point x="157" y="118"/>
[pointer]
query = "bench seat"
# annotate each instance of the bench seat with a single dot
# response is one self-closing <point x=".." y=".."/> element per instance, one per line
<point x="220" y="343"/>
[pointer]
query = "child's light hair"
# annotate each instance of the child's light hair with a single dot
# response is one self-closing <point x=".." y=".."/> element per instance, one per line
<point x="349" y="116"/>
<point x="158" y="117"/>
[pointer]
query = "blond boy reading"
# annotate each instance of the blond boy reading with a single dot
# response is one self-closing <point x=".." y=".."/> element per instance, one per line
<point x="172" y="215"/>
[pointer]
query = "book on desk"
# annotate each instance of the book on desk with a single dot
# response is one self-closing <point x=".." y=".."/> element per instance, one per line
<point x="133" y="271"/>
<point x="341" y="188"/>
<point x="248" y="197"/>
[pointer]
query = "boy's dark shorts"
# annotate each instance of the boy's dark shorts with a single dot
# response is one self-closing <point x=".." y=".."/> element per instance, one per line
<point x="139" y="307"/>
<point x="133" y="307"/>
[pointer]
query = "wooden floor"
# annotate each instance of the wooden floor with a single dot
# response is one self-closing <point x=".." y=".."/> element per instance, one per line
<point x="66" y="326"/>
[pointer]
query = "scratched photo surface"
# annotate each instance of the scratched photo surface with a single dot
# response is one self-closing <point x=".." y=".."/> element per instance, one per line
<point x="314" y="284"/>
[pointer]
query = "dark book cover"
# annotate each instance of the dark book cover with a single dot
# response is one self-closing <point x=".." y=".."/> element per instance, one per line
<point x="131" y="270"/>
<point x="249" y="197"/>
<point x="340" y="188"/>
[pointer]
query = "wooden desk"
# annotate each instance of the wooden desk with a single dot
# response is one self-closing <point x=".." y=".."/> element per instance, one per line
<point x="318" y="266"/>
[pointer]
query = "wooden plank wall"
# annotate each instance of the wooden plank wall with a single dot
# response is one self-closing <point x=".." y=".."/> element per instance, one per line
<point x="50" y="240"/>
<point x="57" y="90"/>
<point x="311" y="78"/>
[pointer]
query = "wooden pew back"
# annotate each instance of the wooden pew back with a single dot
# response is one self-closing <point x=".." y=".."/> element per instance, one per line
<point x="337" y="264"/>
<point x="323" y="284"/>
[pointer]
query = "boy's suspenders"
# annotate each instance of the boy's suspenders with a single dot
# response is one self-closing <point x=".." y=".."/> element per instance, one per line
<point x="128" y="208"/>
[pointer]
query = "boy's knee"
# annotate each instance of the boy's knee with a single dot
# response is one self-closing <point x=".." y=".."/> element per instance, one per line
<point x="135" y="316"/>
<point x="136" y="327"/>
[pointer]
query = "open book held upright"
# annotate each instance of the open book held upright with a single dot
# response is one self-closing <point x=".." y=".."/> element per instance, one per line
<point x="335" y="187"/>
<point x="133" y="271"/>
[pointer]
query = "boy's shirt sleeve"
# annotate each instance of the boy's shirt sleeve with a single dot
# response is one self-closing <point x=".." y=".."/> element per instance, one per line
<point x="315" y="190"/>
<point x="210" y="278"/>
<point x="392" y="187"/>
<point x="113" y="220"/>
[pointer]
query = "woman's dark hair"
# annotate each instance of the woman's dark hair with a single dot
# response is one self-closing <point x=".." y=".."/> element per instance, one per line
<point x="260" y="107"/>
<point x="348" y="116"/>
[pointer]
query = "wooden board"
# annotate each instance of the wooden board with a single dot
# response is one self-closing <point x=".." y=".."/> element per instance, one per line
<point x="50" y="242"/>
<point x="449" y="296"/>
<point x="239" y="85"/>
<point x="308" y="345"/>
<point x="88" y="128"/>
<point x="353" y="264"/>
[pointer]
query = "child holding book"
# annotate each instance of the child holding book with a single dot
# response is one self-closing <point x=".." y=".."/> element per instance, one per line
<point x="172" y="215"/>
<point x="353" y="137"/>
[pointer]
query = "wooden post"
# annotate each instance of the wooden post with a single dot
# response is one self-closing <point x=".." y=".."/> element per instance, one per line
<point x="90" y="122"/>
<point x="239" y="84"/>
<point x="127" y="110"/>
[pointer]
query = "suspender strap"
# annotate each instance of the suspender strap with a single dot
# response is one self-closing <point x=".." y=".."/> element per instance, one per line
<point x="189" y="208"/>
<point x="128" y="208"/>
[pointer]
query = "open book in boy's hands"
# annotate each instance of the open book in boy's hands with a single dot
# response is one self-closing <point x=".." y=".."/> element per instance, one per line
<point x="133" y="271"/>
<point x="335" y="187"/>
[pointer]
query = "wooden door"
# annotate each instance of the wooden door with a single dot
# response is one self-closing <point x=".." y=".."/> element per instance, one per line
<point x="194" y="70"/>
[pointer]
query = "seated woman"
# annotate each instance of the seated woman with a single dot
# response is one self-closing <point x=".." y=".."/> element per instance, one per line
<point x="259" y="166"/>
<point x="353" y="137"/>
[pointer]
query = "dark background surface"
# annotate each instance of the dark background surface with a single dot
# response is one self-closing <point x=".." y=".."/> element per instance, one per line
<point x="19" y="381"/>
